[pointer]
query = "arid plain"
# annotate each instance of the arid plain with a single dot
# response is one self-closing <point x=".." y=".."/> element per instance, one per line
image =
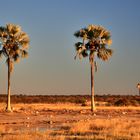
<point x="69" y="120"/>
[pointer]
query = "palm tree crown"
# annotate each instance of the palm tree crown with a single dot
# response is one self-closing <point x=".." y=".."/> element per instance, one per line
<point x="95" y="39"/>
<point x="13" y="43"/>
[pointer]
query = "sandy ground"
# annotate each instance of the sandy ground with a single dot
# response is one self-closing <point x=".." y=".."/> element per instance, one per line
<point x="51" y="116"/>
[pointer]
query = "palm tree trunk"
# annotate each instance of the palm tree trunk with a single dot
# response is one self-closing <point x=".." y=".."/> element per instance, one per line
<point x="92" y="88"/>
<point x="8" y="108"/>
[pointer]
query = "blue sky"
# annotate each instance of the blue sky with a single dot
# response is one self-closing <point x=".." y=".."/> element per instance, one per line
<point x="51" y="68"/>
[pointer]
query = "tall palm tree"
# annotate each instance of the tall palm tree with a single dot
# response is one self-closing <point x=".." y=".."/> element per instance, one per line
<point x="138" y="86"/>
<point x="95" y="40"/>
<point x="13" y="45"/>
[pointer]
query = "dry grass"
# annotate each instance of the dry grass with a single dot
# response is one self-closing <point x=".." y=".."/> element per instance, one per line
<point x="119" y="107"/>
<point x="99" y="127"/>
<point x="60" y="106"/>
<point x="113" y="129"/>
<point x="31" y="136"/>
<point x="40" y="106"/>
<point x="2" y="106"/>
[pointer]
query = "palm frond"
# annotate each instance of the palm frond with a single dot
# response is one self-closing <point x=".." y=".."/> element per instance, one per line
<point x="77" y="34"/>
<point x="91" y="27"/>
<point x="24" y="54"/>
<point x="104" y="53"/>
<point x="1" y="53"/>
<point x="81" y="50"/>
<point x="3" y="33"/>
<point x="77" y="45"/>
<point x="109" y="42"/>
<point x="2" y="29"/>
<point x="5" y="52"/>
<point x="78" y="52"/>
<point x="90" y="35"/>
<point x="84" y="53"/>
<point x="16" y="57"/>
<point x="25" y="42"/>
<point x="13" y="29"/>
<point x="81" y="33"/>
<point x="95" y="64"/>
<point x="9" y="27"/>
<point x="106" y="38"/>
<point x="22" y="36"/>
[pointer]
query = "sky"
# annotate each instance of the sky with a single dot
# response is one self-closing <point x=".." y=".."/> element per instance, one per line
<point x="51" y="68"/>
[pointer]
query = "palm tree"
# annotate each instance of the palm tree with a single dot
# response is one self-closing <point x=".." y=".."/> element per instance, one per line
<point x="138" y="86"/>
<point x="13" y="45"/>
<point x="95" y="40"/>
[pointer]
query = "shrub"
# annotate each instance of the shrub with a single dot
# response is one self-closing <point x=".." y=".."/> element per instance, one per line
<point x="122" y="102"/>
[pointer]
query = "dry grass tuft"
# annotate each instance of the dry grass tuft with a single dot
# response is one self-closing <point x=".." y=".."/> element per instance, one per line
<point x="80" y="127"/>
<point x="112" y="129"/>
